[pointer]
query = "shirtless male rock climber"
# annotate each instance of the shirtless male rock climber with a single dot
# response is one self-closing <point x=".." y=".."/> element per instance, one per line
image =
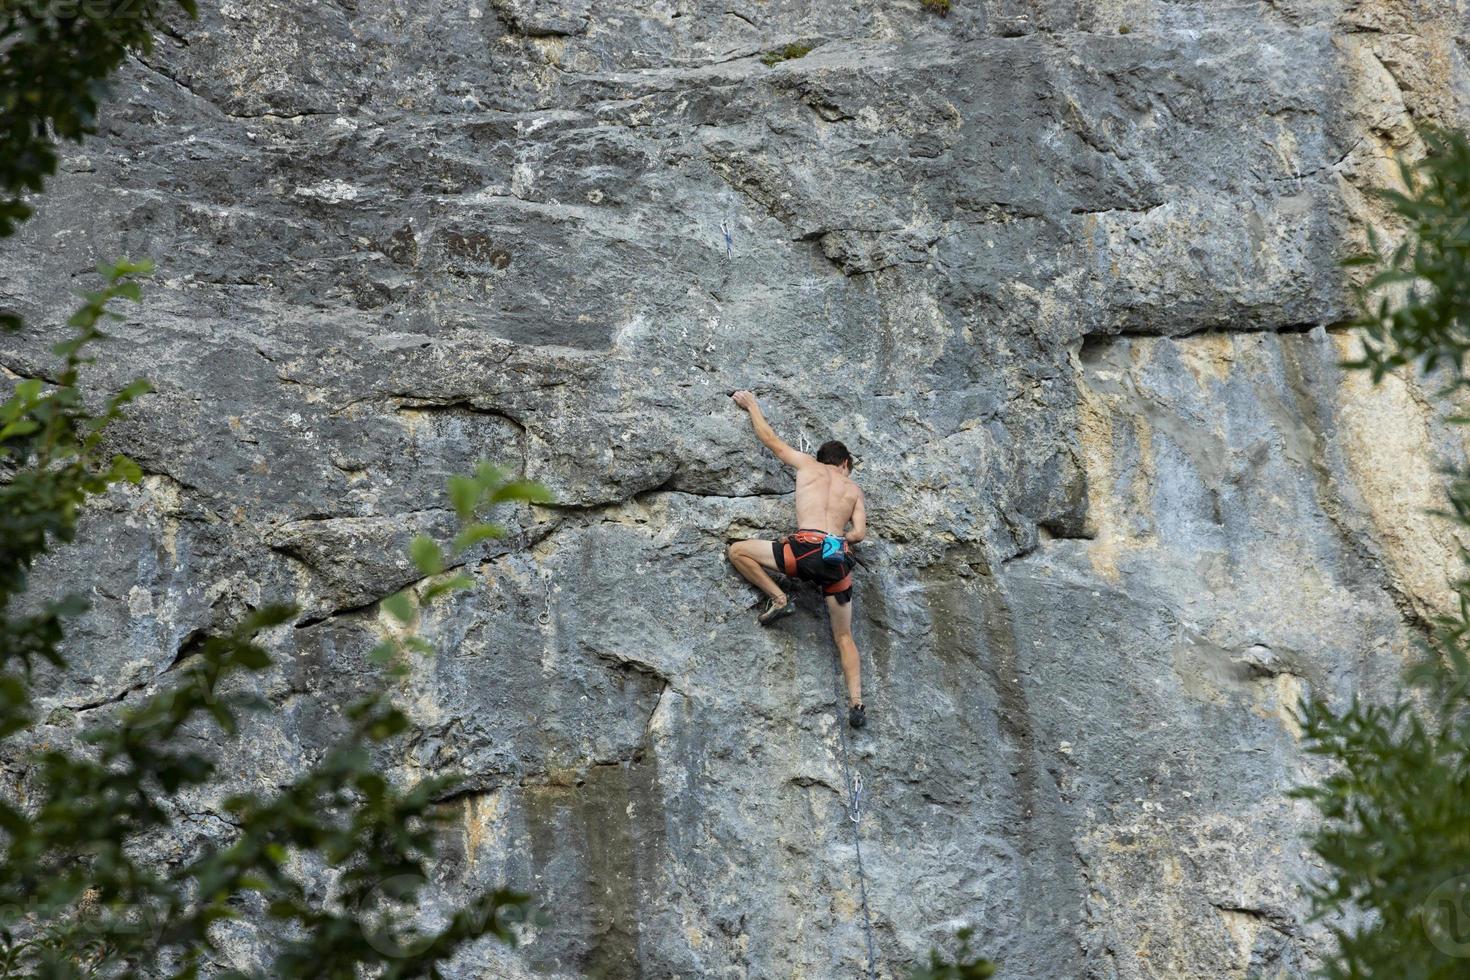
<point x="826" y="501"/>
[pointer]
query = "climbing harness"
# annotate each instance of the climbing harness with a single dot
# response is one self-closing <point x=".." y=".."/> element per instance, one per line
<point x="854" y="805"/>
<point x="831" y="547"/>
<point x="545" y="618"/>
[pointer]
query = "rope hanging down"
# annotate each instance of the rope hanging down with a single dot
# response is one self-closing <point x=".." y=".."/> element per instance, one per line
<point x="854" y="815"/>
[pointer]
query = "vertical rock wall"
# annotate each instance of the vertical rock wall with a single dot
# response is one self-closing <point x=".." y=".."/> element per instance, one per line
<point x="1062" y="274"/>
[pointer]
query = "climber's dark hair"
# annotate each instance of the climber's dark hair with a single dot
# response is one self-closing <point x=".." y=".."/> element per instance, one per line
<point x="834" y="453"/>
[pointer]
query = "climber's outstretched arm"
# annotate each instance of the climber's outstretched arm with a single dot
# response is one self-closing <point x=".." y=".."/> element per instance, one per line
<point x="767" y="435"/>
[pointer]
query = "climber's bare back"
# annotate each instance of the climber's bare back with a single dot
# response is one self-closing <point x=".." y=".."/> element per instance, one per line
<point x="825" y="497"/>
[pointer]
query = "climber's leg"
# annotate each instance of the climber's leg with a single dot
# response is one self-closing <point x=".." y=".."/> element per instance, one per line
<point x="841" y="616"/>
<point x="752" y="559"/>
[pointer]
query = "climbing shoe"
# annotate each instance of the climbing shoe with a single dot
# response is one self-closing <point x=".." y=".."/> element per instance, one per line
<point x="857" y="716"/>
<point x="773" y="612"/>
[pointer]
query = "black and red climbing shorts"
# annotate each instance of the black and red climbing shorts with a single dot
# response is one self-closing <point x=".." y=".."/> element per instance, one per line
<point x="799" y="555"/>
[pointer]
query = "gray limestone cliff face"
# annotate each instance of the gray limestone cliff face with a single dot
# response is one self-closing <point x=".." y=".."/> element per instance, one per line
<point x="1064" y="275"/>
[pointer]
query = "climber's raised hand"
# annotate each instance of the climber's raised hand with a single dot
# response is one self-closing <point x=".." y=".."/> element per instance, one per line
<point x="767" y="435"/>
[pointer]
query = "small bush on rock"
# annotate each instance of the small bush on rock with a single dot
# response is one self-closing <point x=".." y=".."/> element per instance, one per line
<point x="1396" y="803"/>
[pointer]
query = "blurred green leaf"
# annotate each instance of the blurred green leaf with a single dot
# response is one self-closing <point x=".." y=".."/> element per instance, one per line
<point x="453" y="584"/>
<point x="20" y="427"/>
<point x="426" y="555"/>
<point x="523" y="490"/>
<point x="124" y="470"/>
<point x="400" y="607"/>
<point x="473" y="534"/>
<point x="965" y="965"/>
<point x="464" y="494"/>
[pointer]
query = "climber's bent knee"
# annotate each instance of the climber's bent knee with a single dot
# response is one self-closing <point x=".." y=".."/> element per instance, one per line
<point x="754" y="549"/>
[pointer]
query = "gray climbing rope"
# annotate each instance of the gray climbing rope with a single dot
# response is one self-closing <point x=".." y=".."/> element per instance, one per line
<point x="854" y="815"/>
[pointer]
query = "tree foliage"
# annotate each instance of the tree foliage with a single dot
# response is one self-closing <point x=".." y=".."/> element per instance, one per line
<point x="80" y="892"/>
<point x="1395" y="808"/>
<point x="1414" y="307"/>
<point x="966" y="965"/>
<point x="58" y="55"/>
<point x="83" y="890"/>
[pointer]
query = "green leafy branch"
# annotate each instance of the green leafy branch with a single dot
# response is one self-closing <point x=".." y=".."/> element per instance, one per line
<point x="78" y="894"/>
<point x="1414" y="307"/>
<point x="53" y="76"/>
<point x="1394" y="834"/>
<point x="966" y="965"/>
<point x="49" y="445"/>
<point x="470" y="496"/>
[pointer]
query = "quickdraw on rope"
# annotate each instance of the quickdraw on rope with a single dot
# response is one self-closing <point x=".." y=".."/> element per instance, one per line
<point x="729" y="241"/>
<point x="854" y="805"/>
<point x="545" y="618"/>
